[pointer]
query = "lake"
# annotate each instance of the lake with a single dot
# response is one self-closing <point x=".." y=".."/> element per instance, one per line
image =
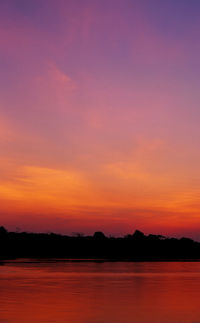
<point x="99" y="292"/>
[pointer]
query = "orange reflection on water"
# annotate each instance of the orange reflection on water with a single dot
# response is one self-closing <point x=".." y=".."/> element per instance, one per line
<point x="100" y="292"/>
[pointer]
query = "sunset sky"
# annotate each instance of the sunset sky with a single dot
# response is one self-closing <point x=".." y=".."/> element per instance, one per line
<point x="100" y="116"/>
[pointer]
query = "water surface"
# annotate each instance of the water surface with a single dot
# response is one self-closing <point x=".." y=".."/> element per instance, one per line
<point x="92" y="292"/>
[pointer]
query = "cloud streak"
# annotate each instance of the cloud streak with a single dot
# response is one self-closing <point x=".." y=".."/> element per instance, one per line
<point x="99" y="118"/>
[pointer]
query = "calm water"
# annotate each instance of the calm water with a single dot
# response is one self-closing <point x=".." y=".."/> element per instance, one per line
<point x="89" y="292"/>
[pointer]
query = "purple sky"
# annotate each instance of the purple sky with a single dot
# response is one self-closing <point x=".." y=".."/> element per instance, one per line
<point x="99" y="115"/>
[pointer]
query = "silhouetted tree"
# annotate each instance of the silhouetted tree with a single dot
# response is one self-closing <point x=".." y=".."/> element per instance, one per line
<point x="138" y="235"/>
<point x="154" y="237"/>
<point x="3" y="231"/>
<point x="99" y="235"/>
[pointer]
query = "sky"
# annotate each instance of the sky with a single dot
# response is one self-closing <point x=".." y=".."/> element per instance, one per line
<point x="99" y="116"/>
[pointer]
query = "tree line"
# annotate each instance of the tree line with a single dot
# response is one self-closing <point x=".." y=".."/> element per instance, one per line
<point x="132" y="247"/>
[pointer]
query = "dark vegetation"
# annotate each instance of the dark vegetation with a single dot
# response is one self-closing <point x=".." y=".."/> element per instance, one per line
<point x="133" y="247"/>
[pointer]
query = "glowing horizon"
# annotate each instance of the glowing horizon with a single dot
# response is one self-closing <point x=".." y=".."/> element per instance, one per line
<point x="99" y="116"/>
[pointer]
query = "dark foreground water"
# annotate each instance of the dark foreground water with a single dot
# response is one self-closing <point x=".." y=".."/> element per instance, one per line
<point x="89" y="292"/>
